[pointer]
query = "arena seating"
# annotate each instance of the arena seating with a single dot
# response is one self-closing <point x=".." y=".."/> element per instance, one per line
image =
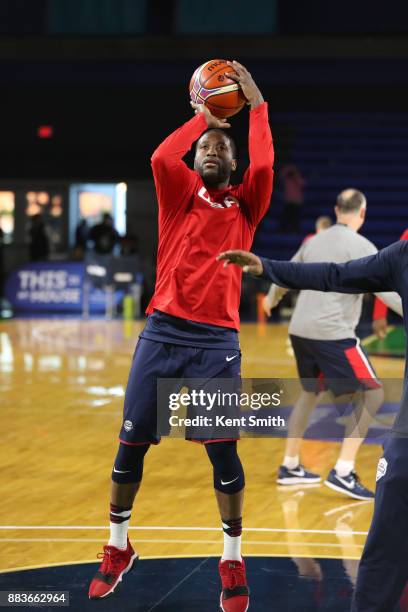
<point x="335" y="151"/>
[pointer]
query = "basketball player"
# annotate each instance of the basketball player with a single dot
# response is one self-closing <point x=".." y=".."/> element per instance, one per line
<point x="383" y="570"/>
<point x="193" y="323"/>
<point x="326" y="348"/>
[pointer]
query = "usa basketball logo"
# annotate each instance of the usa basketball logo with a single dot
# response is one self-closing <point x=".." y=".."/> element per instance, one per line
<point x="128" y="425"/>
<point x="227" y="202"/>
<point x="381" y="469"/>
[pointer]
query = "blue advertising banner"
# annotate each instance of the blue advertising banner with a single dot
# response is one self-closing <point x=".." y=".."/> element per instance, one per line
<point x="53" y="287"/>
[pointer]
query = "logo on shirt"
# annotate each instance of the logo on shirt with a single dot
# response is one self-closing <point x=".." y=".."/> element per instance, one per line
<point x="227" y="202"/>
<point x="381" y="468"/>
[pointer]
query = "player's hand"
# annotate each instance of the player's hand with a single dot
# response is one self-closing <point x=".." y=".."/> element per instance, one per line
<point x="380" y="328"/>
<point x="212" y="121"/>
<point x="248" y="85"/>
<point x="247" y="261"/>
<point x="267" y="305"/>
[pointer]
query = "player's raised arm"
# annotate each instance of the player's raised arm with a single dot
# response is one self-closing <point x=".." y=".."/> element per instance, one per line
<point x="380" y="272"/>
<point x="258" y="178"/>
<point x="171" y="174"/>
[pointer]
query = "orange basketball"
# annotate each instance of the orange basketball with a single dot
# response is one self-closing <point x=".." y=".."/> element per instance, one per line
<point x="209" y="86"/>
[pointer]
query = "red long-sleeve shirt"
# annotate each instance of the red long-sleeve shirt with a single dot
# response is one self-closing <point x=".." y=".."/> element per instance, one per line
<point x="380" y="309"/>
<point x="196" y="223"/>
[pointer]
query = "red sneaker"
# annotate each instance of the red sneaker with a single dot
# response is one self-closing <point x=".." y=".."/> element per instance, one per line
<point x="235" y="591"/>
<point x="115" y="563"/>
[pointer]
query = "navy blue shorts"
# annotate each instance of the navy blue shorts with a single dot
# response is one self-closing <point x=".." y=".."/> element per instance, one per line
<point x="153" y="360"/>
<point x="340" y="366"/>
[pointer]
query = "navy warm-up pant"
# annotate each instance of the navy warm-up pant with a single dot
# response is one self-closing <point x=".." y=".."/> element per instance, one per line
<point x="383" y="570"/>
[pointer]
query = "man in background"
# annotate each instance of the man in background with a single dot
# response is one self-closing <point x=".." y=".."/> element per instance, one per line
<point x="81" y="239"/>
<point x="104" y="236"/>
<point x="39" y="242"/>
<point x="326" y="348"/>
<point x="322" y="223"/>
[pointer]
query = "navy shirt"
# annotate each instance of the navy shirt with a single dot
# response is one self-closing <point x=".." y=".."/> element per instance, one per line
<point x="161" y="327"/>
<point x="385" y="271"/>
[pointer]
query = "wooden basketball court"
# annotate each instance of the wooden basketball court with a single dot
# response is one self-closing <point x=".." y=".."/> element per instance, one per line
<point x="62" y="385"/>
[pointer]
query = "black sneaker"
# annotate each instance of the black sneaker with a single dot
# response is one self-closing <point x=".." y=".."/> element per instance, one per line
<point x="348" y="485"/>
<point x="297" y="476"/>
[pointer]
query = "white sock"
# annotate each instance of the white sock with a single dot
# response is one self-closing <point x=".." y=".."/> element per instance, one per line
<point x="232" y="546"/>
<point x="119" y="531"/>
<point x="291" y="462"/>
<point x="118" y="535"/>
<point x="343" y="468"/>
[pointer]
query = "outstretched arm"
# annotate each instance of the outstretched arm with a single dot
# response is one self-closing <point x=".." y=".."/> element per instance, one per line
<point x="367" y="275"/>
<point x="380" y="272"/>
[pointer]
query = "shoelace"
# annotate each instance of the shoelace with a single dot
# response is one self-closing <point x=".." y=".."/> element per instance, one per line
<point x="233" y="576"/>
<point x="109" y="561"/>
<point x="356" y="478"/>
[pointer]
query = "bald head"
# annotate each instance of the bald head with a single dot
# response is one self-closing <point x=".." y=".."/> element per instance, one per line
<point x="351" y="201"/>
<point x="350" y="208"/>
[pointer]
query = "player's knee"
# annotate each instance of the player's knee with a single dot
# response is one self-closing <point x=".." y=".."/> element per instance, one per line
<point x="128" y="466"/>
<point x="227" y="467"/>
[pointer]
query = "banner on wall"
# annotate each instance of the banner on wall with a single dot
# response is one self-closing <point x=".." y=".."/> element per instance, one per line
<point x="53" y="287"/>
